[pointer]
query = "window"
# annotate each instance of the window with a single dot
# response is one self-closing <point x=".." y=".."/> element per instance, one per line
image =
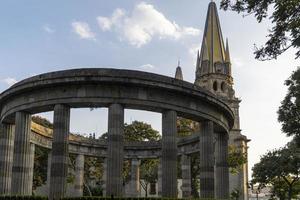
<point x="215" y="86"/>
<point x="223" y="86"/>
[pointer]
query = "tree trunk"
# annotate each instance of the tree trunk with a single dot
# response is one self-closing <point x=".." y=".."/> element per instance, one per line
<point x="146" y="190"/>
<point x="290" y="192"/>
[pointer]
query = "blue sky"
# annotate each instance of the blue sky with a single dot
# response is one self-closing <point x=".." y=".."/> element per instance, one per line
<point x="42" y="36"/>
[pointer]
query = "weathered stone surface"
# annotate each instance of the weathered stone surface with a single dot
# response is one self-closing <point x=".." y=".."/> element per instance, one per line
<point x="101" y="87"/>
<point x="186" y="176"/>
<point x="7" y="136"/>
<point x="221" y="169"/>
<point x="31" y="165"/>
<point x="207" y="188"/>
<point x="115" y="150"/>
<point x="60" y="154"/>
<point x="134" y="183"/>
<point x="116" y="89"/>
<point x="21" y="165"/>
<point x="169" y="154"/>
<point x="79" y="175"/>
<point x="159" y="178"/>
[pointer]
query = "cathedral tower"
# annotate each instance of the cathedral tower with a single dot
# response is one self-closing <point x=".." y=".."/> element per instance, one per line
<point x="213" y="72"/>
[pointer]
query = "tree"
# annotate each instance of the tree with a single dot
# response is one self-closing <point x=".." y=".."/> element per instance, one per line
<point x="148" y="169"/>
<point x="139" y="131"/>
<point x="281" y="169"/>
<point x="289" y="111"/>
<point x="236" y="159"/>
<point x="286" y="19"/>
<point x="40" y="169"/>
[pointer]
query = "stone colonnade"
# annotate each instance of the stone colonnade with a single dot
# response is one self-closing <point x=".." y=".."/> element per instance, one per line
<point x="16" y="159"/>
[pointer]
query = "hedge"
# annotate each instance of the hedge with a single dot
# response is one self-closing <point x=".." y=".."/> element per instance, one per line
<point x="88" y="198"/>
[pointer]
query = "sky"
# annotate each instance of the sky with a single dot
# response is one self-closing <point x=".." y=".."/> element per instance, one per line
<point x="42" y="36"/>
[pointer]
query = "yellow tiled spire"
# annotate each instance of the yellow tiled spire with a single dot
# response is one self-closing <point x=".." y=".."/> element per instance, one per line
<point x="212" y="43"/>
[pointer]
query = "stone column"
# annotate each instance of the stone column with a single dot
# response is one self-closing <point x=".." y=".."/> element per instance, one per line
<point x="169" y="154"/>
<point x="79" y="175"/>
<point x="159" y="178"/>
<point x="31" y="165"/>
<point x="134" y="187"/>
<point x="221" y="168"/>
<point x="115" y="149"/>
<point x="49" y="170"/>
<point x="104" y="176"/>
<point x="60" y="154"/>
<point x="186" y="176"/>
<point x="21" y="165"/>
<point x="207" y="160"/>
<point x="7" y="136"/>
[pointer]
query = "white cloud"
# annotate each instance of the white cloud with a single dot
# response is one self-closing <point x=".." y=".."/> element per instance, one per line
<point x="107" y="23"/>
<point x="147" y="66"/>
<point x="48" y="29"/>
<point x="83" y="30"/>
<point x="142" y="24"/>
<point x="238" y="62"/>
<point x="9" y="81"/>
<point x="193" y="50"/>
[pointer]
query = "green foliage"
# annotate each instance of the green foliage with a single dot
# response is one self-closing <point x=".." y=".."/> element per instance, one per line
<point x="95" y="191"/>
<point x="235" y="194"/>
<point x="23" y="198"/>
<point x="236" y="159"/>
<point x="138" y="131"/>
<point x="42" y="121"/>
<point x="40" y="169"/>
<point x="289" y="111"/>
<point x="148" y="172"/>
<point x="93" y="169"/>
<point x="127" y="198"/>
<point x="185" y="127"/>
<point x="281" y="169"/>
<point x="285" y="17"/>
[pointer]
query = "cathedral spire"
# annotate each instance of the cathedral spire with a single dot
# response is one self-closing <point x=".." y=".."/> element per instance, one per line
<point x="178" y="73"/>
<point x="227" y="54"/>
<point x="227" y="60"/>
<point x="212" y="43"/>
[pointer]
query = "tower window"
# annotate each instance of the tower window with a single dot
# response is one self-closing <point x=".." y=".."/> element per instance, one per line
<point x="223" y="86"/>
<point x="215" y="86"/>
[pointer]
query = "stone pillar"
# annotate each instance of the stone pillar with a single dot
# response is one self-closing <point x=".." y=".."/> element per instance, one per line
<point x="79" y="175"/>
<point x="186" y="176"/>
<point x="104" y="176"/>
<point x="207" y="160"/>
<point x="21" y="165"/>
<point x="49" y="171"/>
<point x="159" y="178"/>
<point x="221" y="168"/>
<point x="7" y="136"/>
<point x="60" y="154"/>
<point x="31" y="165"/>
<point x="115" y="149"/>
<point x="134" y="187"/>
<point x="169" y="154"/>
